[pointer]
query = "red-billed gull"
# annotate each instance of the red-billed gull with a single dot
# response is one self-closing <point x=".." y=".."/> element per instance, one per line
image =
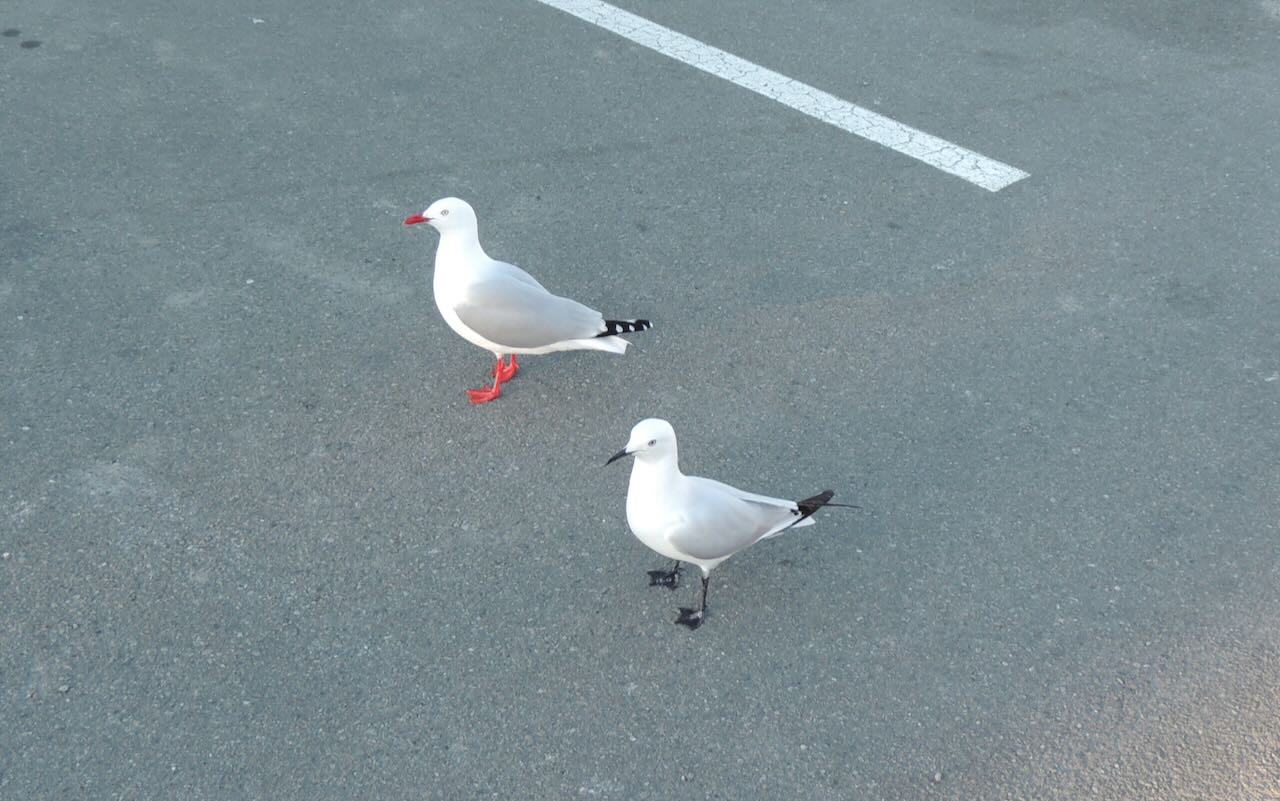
<point x="500" y="307"/>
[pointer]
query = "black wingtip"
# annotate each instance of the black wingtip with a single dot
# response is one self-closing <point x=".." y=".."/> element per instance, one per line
<point x="810" y="505"/>
<point x="614" y="327"/>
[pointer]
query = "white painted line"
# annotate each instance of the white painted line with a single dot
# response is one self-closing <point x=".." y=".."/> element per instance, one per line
<point x="950" y="158"/>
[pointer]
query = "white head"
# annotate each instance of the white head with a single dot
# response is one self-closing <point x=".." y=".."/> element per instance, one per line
<point x="446" y="215"/>
<point x="652" y="440"/>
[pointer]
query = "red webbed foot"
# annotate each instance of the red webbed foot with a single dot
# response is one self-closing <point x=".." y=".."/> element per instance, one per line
<point x="485" y="395"/>
<point x="506" y="372"/>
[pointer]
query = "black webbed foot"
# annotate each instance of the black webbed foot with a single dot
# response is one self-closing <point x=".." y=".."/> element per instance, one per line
<point x="665" y="578"/>
<point x="690" y="617"/>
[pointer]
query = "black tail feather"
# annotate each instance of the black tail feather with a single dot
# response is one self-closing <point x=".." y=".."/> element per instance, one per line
<point x="614" y="327"/>
<point x="810" y="505"/>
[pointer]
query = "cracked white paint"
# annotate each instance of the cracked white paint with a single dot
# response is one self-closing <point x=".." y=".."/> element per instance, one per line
<point x="950" y="158"/>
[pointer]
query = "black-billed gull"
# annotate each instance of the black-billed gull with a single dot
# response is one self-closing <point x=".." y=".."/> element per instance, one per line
<point x="694" y="519"/>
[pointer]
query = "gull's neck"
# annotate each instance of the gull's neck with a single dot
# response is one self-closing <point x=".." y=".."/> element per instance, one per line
<point x="662" y="470"/>
<point x="459" y="247"/>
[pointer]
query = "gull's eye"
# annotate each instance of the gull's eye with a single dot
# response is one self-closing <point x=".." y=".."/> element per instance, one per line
<point x="652" y="442"/>
<point x="444" y="212"/>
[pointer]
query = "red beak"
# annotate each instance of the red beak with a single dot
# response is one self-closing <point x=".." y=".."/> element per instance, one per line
<point x="415" y="219"/>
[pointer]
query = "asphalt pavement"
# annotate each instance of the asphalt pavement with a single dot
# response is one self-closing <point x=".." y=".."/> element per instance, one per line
<point x="255" y="543"/>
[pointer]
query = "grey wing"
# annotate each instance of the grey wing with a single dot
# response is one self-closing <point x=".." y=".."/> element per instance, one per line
<point x="717" y="523"/>
<point x="512" y="271"/>
<point x="510" y="312"/>
<point x="786" y="513"/>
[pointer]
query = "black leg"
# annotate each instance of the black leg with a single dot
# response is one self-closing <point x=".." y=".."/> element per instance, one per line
<point x="666" y="578"/>
<point x="694" y="617"/>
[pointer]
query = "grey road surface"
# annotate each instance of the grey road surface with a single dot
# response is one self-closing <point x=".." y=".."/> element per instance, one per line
<point x="255" y="544"/>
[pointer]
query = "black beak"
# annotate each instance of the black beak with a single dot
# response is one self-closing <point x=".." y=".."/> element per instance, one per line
<point x="617" y="456"/>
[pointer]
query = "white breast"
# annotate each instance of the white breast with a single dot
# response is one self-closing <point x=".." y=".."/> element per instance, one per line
<point x="647" y="516"/>
<point x="449" y="286"/>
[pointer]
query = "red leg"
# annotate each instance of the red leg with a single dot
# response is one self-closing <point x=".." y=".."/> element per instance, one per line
<point x="486" y="395"/>
<point x="506" y="372"/>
